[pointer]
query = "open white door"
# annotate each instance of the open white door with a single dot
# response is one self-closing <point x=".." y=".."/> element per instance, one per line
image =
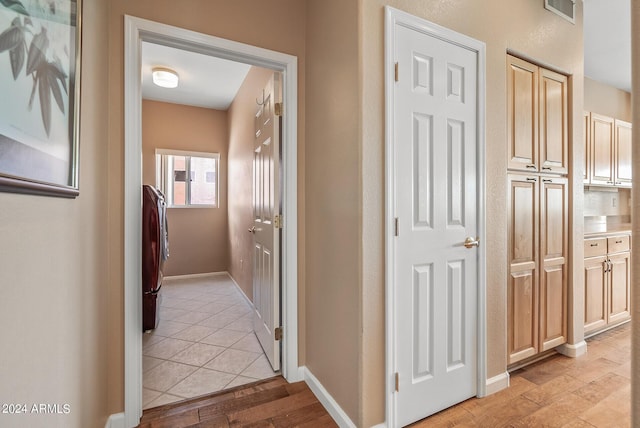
<point x="434" y="185"/>
<point x="266" y="220"/>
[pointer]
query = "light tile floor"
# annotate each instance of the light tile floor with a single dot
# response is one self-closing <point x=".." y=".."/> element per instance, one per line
<point x="204" y="342"/>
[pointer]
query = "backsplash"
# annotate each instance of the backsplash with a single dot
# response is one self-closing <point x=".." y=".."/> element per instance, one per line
<point x="607" y="202"/>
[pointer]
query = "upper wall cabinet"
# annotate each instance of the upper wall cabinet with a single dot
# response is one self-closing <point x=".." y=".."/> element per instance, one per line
<point x="608" y="152"/>
<point x="537" y="118"/>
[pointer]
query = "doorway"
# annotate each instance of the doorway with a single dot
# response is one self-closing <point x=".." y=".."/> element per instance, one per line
<point x="139" y="30"/>
<point x="435" y="218"/>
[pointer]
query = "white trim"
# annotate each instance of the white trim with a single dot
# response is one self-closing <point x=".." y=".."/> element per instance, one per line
<point x="573" y="350"/>
<point x="195" y="275"/>
<point x="496" y="383"/>
<point x="115" y="421"/>
<point x="136" y="30"/>
<point x="329" y="403"/>
<point x="395" y="17"/>
<point x="246" y="298"/>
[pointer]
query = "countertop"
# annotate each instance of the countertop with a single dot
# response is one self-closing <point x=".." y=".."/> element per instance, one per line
<point x="604" y="229"/>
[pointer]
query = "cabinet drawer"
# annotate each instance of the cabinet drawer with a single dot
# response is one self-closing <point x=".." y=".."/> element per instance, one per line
<point x="617" y="244"/>
<point x="595" y="247"/>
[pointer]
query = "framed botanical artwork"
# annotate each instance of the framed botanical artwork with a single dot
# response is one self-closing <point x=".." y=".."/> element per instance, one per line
<point x="40" y="89"/>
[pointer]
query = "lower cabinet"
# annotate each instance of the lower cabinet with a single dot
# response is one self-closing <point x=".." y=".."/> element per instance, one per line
<point x="537" y="284"/>
<point x="607" y="282"/>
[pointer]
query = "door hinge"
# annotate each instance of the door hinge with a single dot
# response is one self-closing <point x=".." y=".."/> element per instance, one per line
<point x="396" y="71"/>
<point x="397" y="231"/>
<point x="278" y="109"/>
<point x="278" y="333"/>
<point x="277" y="221"/>
<point x="397" y="382"/>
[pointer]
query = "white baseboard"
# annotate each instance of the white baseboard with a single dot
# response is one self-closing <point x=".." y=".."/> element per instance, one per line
<point x="115" y="421"/>
<point x="573" y="350"/>
<point x="336" y="412"/>
<point x="195" y="275"/>
<point x="246" y="298"/>
<point x="497" y="383"/>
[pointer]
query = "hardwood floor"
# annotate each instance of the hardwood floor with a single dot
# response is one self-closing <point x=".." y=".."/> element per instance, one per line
<point x="593" y="390"/>
<point x="590" y="391"/>
<point x="269" y="403"/>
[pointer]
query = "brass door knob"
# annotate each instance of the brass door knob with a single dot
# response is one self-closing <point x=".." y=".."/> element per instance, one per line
<point x="471" y="242"/>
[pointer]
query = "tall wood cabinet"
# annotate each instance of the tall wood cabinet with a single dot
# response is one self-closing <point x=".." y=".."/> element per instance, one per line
<point x="538" y="210"/>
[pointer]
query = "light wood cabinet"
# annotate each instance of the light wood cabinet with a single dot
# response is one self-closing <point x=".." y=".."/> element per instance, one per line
<point x="607" y="276"/>
<point x="537" y="286"/>
<point x="608" y="152"/>
<point x="622" y="153"/>
<point x="536" y="118"/>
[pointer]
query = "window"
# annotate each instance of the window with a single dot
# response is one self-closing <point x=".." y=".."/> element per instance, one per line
<point x="200" y="190"/>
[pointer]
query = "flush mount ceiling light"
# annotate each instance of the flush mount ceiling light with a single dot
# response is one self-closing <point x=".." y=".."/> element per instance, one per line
<point x="164" y="77"/>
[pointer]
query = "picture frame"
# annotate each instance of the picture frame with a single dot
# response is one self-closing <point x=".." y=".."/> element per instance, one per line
<point x="40" y="56"/>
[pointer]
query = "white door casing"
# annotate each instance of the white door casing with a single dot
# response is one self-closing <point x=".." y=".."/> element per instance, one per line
<point x="435" y="181"/>
<point x="137" y="30"/>
<point x="266" y="234"/>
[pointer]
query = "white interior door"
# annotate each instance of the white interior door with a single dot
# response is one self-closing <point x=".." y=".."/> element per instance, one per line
<point x="266" y="215"/>
<point x="436" y="275"/>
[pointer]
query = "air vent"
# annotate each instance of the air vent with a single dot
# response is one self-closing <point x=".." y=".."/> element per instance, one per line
<point x="563" y="8"/>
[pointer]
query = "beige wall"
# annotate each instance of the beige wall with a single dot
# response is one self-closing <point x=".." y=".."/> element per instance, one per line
<point x="241" y="124"/>
<point x="333" y="200"/>
<point x="278" y="25"/>
<point x="604" y="99"/>
<point x="524" y="27"/>
<point x="197" y="236"/>
<point x="53" y="272"/>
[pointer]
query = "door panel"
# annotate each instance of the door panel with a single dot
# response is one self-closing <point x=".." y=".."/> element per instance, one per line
<point x="435" y="188"/>
<point x="586" y="139"/>
<point x="554" y="134"/>
<point x="522" y="114"/>
<point x="619" y="287"/>
<point x="522" y="298"/>
<point x="554" y="220"/>
<point x="623" y="153"/>
<point x="266" y="204"/>
<point x="595" y="296"/>
<point x="601" y="149"/>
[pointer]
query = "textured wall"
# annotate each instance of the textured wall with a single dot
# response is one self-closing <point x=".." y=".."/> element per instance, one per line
<point x="197" y="236"/>
<point x="53" y="272"/>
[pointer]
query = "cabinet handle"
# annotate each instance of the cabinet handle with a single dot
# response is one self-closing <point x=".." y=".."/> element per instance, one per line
<point x="532" y="166"/>
<point x="548" y="168"/>
<point x="611" y="182"/>
<point x="594" y="245"/>
<point x="618" y="242"/>
<point x="547" y="180"/>
<point x="531" y="179"/>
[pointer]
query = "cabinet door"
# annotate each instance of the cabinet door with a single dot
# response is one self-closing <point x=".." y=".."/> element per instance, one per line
<point x="622" y="153"/>
<point x="554" y="220"/>
<point x="586" y="138"/>
<point x="601" y="149"/>
<point x="554" y="134"/>
<point x="595" y="293"/>
<point x="619" y="287"/>
<point x="522" y="114"/>
<point x="522" y="289"/>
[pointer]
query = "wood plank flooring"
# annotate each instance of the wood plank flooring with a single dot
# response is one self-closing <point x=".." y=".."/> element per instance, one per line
<point x="593" y="390"/>
<point x="268" y="403"/>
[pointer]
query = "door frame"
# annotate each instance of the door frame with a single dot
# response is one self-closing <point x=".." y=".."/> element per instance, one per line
<point x="137" y="30"/>
<point x="394" y="17"/>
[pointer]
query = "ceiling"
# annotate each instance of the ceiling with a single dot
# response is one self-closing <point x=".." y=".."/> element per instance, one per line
<point x="205" y="81"/>
<point x="210" y="82"/>
<point x="607" y="42"/>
